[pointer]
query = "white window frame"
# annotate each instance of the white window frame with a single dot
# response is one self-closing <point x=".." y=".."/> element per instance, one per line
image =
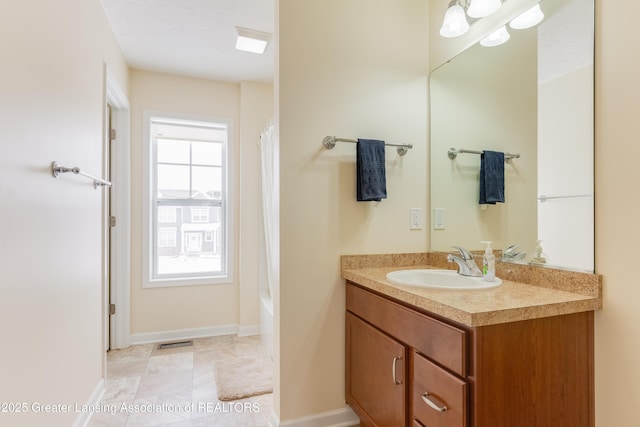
<point x="228" y="266"/>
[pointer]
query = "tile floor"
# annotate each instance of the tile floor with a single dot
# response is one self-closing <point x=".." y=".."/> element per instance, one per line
<point x="176" y="387"/>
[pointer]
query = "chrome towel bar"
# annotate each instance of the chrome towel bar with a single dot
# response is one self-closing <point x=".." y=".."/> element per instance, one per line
<point x="57" y="169"/>
<point x="453" y="153"/>
<point x="542" y="198"/>
<point x="330" y="141"/>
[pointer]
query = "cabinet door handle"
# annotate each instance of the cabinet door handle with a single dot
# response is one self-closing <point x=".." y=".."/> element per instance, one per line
<point x="393" y="370"/>
<point x="427" y="399"/>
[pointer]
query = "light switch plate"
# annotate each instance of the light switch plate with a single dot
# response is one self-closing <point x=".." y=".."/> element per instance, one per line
<point x="439" y="219"/>
<point x="415" y="219"/>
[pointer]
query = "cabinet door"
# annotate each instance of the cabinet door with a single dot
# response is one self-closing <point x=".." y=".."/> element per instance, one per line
<point x="375" y="380"/>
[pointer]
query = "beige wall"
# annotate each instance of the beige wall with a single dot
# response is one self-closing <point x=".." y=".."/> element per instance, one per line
<point x="155" y="310"/>
<point x="485" y="99"/>
<point x="617" y="213"/>
<point x="256" y="101"/>
<point x="350" y="69"/>
<point x="52" y="108"/>
<point x="249" y="106"/>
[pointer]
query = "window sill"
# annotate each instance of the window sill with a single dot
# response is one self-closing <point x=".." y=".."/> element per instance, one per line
<point x="174" y="282"/>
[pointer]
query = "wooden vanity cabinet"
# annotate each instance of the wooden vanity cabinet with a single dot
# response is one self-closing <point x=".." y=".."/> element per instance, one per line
<point x="407" y="367"/>
<point x="376" y="374"/>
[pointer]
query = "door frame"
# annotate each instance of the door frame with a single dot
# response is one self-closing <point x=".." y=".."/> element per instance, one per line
<point x="117" y="329"/>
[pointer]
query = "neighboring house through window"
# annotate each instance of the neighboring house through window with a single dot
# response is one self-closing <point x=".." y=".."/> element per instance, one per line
<point x="187" y="189"/>
<point x="167" y="238"/>
<point x="199" y="214"/>
<point x="167" y="214"/>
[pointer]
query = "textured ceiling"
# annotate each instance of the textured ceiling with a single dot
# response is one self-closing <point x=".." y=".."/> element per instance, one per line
<point x="565" y="38"/>
<point x="192" y="37"/>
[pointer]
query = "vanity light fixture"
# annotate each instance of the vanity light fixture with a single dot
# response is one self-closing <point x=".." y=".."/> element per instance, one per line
<point x="499" y="36"/>
<point x="251" y="40"/>
<point x="455" y="21"/>
<point x="482" y="8"/>
<point x="528" y="19"/>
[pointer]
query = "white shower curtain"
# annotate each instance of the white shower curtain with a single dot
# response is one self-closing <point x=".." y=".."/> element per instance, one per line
<point x="269" y="161"/>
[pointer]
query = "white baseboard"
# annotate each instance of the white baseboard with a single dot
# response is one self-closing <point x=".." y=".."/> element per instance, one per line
<point x="344" y="417"/>
<point x="247" y="331"/>
<point x="187" y="334"/>
<point x="84" y="417"/>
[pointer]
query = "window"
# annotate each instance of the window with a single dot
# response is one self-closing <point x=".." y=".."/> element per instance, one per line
<point x="167" y="238"/>
<point x="199" y="214"/>
<point x="187" y="186"/>
<point x="167" y="214"/>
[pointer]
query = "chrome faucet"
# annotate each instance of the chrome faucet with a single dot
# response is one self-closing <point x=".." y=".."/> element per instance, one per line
<point x="466" y="264"/>
<point x="511" y="253"/>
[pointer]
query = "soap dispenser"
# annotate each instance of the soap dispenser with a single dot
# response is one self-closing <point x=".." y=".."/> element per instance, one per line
<point x="488" y="263"/>
<point x="539" y="257"/>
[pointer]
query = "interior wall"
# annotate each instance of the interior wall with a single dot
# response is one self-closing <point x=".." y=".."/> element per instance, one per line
<point x="485" y="99"/>
<point x="158" y="310"/>
<point x="350" y="69"/>
<point x="256" y="101"/>
<point x="617" y="212"/>
<point x="565" y="162"/>
<point x="52" y="108"/>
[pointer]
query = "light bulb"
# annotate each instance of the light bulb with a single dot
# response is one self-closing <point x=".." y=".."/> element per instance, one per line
<point x="482" y="8"/>
<point x="528" y="19"/>
<point x="499" y="36"/>
<point x="455" y="22"/>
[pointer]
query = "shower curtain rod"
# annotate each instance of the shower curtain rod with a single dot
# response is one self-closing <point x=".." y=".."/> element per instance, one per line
<point x="330" y="141"/>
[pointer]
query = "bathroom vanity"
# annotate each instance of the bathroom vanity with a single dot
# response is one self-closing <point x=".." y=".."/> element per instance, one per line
<point x="517" y="355"/>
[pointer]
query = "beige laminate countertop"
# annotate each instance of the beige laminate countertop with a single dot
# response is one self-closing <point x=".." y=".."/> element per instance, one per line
<point x="557" y="292"/>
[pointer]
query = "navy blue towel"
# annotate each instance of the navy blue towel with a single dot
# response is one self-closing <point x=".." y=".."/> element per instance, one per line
<point x="371" y="180"/>
<point x="491" y="177"/>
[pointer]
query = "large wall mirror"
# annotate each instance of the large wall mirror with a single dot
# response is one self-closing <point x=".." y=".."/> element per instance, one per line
<point x="531" y="96"/>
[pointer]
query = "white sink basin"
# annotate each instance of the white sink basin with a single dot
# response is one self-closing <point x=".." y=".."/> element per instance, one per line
<point x="439" y="279"/>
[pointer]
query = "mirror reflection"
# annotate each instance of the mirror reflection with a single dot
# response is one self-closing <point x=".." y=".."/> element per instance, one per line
<point x="531" y="96"/>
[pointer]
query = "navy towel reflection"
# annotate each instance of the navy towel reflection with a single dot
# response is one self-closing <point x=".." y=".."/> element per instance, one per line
<point x="491" y="177"/>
